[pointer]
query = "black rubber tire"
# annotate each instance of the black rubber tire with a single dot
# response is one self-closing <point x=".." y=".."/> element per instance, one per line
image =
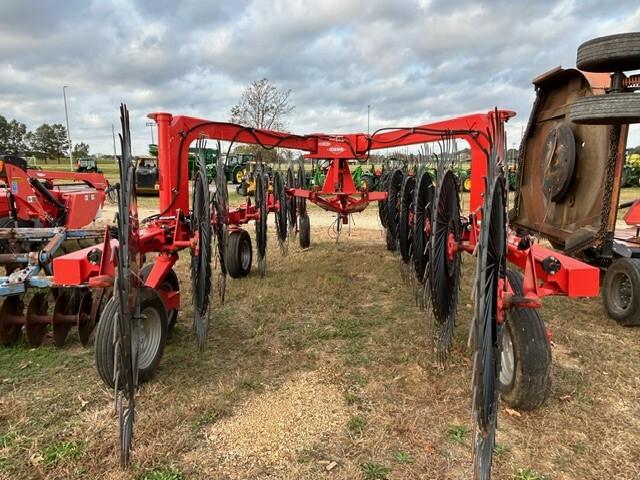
<point x="104" y="354"/>
<point x="613" y="53"/>
<point x="531" y="382"/>
<point x="622" y="269"/>
<point x="169" y="283"/>
<point x="610" y="108"/>
<point x="234" y="175"/>
<point x="392" y="245"/>
<point x="239" y="243"/>
<point x="305" y="231"/>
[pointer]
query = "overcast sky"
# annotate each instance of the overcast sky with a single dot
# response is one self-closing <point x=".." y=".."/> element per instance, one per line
<point x="412" y="61"/>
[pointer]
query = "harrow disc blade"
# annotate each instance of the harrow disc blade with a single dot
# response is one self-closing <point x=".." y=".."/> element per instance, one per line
<point x="11" y="319"/>
<point x="487" y="336"/>
<point x="445" y="264"/>
<point x="37" y="319"/>
<point x="86" y="318"/>
<point x="63" y="317"/>
<point x="201" y="256"/>
<point x="262" y="183"/>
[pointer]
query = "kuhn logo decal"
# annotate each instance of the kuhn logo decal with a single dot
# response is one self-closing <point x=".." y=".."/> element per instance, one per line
<point x="336" y="149"/>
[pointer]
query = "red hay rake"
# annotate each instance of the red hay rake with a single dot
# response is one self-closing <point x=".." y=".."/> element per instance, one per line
<point x="422" y="215"/>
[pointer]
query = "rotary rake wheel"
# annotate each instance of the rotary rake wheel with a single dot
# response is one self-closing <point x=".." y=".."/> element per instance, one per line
<point x="406" y="219"/>
<point x="304" y="225"/>
<point x="127" y="294"/>
<point x="422" y="234"/>
<point x="292" y="202"/>
<point x="262" y="185"/>
<point x="382" y="204"/>
<point x="393" y="209"/>
<point x="201" y="255"/>
<point x="487" y="331"/>
<point x="444" y="258"/>
<point x="281" y="213"/>
<point x="221" y="211"/>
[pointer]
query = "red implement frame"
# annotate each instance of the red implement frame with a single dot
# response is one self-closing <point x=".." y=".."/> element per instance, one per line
<point x="546" y="272"/>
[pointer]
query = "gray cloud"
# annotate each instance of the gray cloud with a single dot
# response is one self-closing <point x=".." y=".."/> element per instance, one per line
<point x="412" y="61"/>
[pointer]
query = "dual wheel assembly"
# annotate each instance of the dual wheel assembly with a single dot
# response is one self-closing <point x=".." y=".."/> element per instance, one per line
<point x="619" y="105"/>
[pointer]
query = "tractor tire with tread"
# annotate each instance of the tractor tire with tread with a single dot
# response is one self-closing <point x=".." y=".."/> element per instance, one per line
<point x="305" y="231"/>
<point x="613" y="53"/>
<point x="239" y="254"/>
<point x="530" y="382"/>
<point x="610" y="108"/>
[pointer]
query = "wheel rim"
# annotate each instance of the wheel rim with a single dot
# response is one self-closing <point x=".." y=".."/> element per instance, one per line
<point x="622" y="291"/>
<point x="150" y="337"/>
<point x="239" y="175"/>
<point x="508" y="359"/>
<point x="467" y="184"/>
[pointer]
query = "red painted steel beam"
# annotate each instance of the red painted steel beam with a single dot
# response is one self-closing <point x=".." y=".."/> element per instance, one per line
<point x="574" y="279"/>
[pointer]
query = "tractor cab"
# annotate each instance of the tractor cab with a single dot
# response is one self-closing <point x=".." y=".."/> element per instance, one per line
<point x="147" y="178"/>
<point x="88" y="165"/>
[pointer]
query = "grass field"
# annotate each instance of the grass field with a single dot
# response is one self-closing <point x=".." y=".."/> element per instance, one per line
<point x="324" y="360"/>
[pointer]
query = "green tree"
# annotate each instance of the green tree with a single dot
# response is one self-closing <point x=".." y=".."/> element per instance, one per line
<point x="4" y="134"/>
<point x="48" y="141"/>
<point x="60" y="143"/>
<point x="80" y="150"/>
<point x="15" y="139"/>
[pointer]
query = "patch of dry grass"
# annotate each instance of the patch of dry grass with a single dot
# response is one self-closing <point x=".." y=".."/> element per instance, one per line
<point x="330" y="334"/>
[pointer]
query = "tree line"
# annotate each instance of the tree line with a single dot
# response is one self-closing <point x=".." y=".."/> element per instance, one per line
<point x="47" y="142"/>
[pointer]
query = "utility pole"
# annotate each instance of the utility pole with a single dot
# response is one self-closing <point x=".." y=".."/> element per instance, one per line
<point x="66" y="116"/>
<point x="151" y="125"/>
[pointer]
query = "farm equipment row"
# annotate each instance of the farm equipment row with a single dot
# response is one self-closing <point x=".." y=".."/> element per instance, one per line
<point x="420" y="211"/>
<point x="50" y="211"/>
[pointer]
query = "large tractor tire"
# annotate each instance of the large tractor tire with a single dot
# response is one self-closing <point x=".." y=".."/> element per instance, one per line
<point x="613" y="53"/>
<point x="610" y="108"/>
<point x="621" y="291"/>
<point x="525" y="374"/>
<point x="237" y="175"/>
